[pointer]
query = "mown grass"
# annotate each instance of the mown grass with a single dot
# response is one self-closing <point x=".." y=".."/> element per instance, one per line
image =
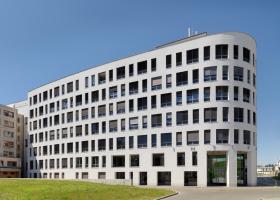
<point x="34" y="189"/>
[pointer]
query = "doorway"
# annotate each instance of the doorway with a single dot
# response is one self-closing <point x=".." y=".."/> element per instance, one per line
<point x="143" y="178"/>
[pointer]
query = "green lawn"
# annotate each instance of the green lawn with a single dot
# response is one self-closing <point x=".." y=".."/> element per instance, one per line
<point x="34" y="189"/>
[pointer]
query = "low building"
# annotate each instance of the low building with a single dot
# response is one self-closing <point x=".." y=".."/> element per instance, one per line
<point x="11" y="129"/>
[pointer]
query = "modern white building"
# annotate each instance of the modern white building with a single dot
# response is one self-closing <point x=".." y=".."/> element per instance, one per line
<point x="181" y="114"/>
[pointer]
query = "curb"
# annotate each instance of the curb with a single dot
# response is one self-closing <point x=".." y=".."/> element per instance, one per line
<point x="170" y="195"/>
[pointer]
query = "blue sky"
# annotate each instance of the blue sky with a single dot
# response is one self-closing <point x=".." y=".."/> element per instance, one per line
<point x="41" y="41"/>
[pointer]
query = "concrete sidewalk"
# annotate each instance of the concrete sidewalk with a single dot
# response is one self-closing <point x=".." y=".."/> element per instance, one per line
<point x="223" y="193"/>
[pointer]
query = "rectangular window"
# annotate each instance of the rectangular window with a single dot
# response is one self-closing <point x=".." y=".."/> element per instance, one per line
<point x="207" y="137"/>
<point x="192" y="137"/>
<point x="158" y="160"/>
<point x="238" y="73"/>
<point x="179" y="59"/>
<point x="111" y="77"/>
<point x="246" y="137"/>
<point x="181" y="159"/>
<point x="210" y="73"/>
<point x="238" y="114"/>
<point x="131" y="70"/>
<point x="192" y="96"/>
<point x="179" y="138"/>
<point x="156" y="120"/>
<point x="134" y="160"/>
<point x="192" y="56"/>
<point x="168" y="61"/>
<point x="225" y="72"/>
<point x="195" y="116"/>
<point x="236" y="136"/>
<point x="246" y="95"/>
<point x="178" y="98"/>
<point x="168" y="80"/>
<point x="142" y="67"/>
<point x="210" y="114"/>
<point x="182" y="78"/>
<point x="221" y="93"/>
<point x="225" y="114"/>
<point x="236" y="93"/>
<point x="222" y="51"/>
<point x="182" y="117"/>
<point x="222" y="136"/>
<point x="207" y="53"/>
<point x="153" y="64"/>
<point x="207" y="94"/>
<point x="166" y="139"/>
<point x="120" y="72"/>
<point x="195" y="75"/>
<point x="246" y="55"/>
<point x="156" y="83"/>
<point x="142" y="141"/>
<point x="131" y="142"/>
<point x="166" y="100"/>
<point x="235" y="52"/>
<point x="194" y="158"/>
<point x="154" y="140"/>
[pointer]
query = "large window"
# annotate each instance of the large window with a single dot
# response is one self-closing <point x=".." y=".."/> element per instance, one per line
<point x="156" y="83"/>
<point x="166" y="139"/>
<point x="182" y="117"/>
<point x="182" y="78"/>
<point x="157" y="120"/>
<point x="166" y="100"/>
<point x="210" y="73"/>
<point x="192" y="96"/>
<point x="118" y="161"/>
<point x="192" y="137"/>
<point x="142" y="67"/>
<point x="158" y="159"/>
<point x="210" y="114"/>
<point x="142" y="141"/>
<point x="192" y="56"/>
<point x="121" y="72"/>
<point x="238" y="114"/>
<point x="142" y="103"/>
<point x="222" y="51"/>
<point x="222" y="136"/>
<point x="221" y="93"/>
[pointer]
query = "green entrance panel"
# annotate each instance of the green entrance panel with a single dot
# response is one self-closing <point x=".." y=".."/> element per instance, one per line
<point x="217" y="170"/>
<point x="241" y="169"/>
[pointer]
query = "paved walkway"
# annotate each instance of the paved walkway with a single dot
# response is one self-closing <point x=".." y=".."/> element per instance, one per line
<point x="223" y="193"/>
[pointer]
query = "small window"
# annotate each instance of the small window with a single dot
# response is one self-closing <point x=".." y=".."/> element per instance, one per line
<point x="207" y="137"/>
<point x="168" y="61"/>
<point x="246" y="55"/>
<point x="179" y="59"/>
<point x="235" y="52"/>
<point x="153" y="64"/>
<point x="207" y="53"/>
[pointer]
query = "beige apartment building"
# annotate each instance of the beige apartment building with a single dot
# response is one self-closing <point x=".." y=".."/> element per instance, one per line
<point x="11" y="140"/>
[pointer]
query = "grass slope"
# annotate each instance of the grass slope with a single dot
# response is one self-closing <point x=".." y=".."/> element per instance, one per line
<point x="34" y="189"/>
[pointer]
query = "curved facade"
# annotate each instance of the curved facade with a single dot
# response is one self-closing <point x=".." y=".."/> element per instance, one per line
<point x="182" y="114"/>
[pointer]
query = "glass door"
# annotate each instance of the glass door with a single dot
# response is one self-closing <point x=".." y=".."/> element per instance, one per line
<point x="217" y="169"/>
